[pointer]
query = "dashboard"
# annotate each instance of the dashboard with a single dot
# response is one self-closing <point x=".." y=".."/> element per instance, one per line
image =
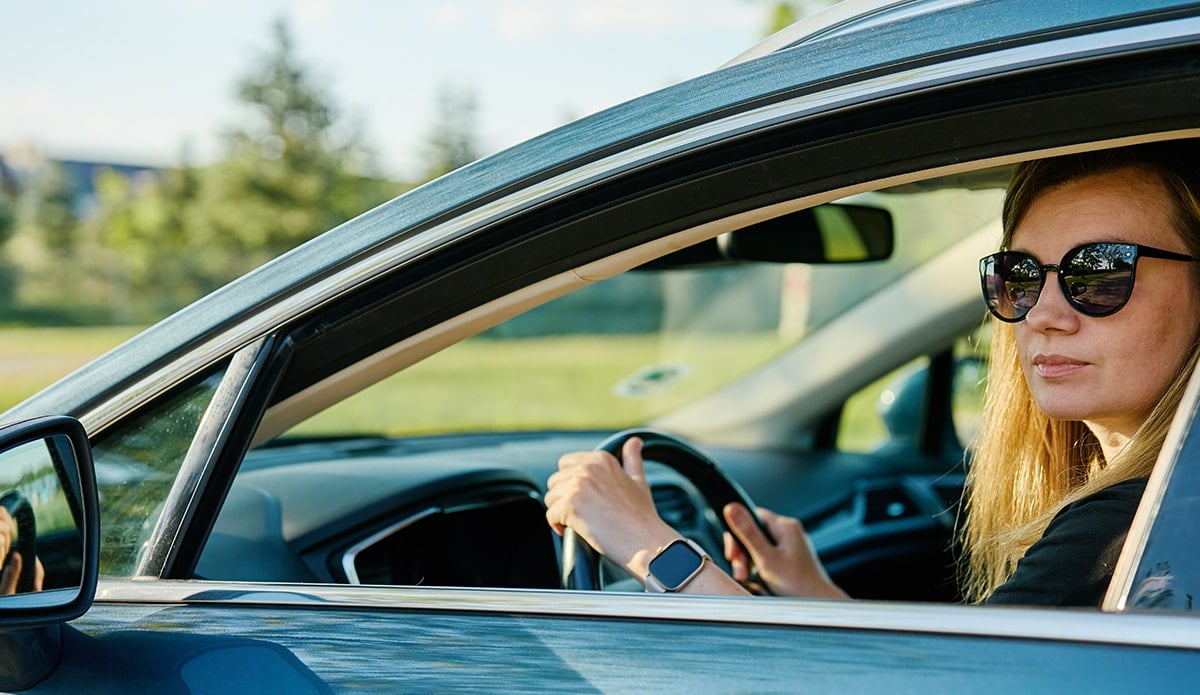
<point x="467" y="511"/>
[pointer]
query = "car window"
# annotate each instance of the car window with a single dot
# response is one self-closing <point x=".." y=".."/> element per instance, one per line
<point x="970" y="378"/>
<point x="648" y="343"/>
<point x="886" y="415"/>
<point x="609" y="356"/>
<point x="136" y="465"/>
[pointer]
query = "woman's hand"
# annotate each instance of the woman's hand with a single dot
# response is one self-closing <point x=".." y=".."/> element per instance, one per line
<point x="11" y="575"/>
<point x="789" y="567"/>
<point x="11" y="560"/>
<point x="8" y="531"/>
<point x="608" y="505"/>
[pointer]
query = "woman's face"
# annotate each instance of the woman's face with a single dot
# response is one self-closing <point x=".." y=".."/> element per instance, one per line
<point x="1107" y="371"/>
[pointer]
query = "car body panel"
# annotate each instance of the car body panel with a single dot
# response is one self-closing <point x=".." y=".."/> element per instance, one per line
<point x="604" y="643"/>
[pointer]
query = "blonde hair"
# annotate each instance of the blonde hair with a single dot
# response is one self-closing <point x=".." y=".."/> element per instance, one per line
<point x="1027" y="466"/>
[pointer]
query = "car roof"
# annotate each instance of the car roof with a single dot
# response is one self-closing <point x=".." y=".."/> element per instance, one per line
<point x="830" y="48"/>
<point x="908" y="19"/>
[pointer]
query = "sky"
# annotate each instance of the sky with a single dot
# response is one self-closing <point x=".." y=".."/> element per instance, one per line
<point x="134" y="81"/>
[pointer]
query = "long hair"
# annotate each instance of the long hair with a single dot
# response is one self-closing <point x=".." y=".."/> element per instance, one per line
<point x="1027" y="466"/>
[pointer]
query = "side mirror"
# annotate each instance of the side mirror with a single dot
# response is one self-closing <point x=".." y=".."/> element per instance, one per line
<point x="830" y="233"/>
<point x="49" y="542"/>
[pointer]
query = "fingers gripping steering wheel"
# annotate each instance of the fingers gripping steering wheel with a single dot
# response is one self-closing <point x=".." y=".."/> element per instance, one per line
<point x="581" y="564"/>
<point x="22" y="513"/>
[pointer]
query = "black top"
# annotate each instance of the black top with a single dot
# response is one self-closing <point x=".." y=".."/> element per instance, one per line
<point x="1072" y="563"/>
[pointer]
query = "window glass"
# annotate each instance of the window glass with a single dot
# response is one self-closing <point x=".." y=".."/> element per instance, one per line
<point x="43" y="527"/>
<point x="970" y="378"/>
<point x="136" y="465"/>
<point x="886" y="414"/>
<point x="608" y="356"/>
<point x="649" y="343"/>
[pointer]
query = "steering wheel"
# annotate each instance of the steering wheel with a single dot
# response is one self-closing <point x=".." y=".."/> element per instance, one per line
<point x="581" y="563"/>
<point x="22" y="513"/>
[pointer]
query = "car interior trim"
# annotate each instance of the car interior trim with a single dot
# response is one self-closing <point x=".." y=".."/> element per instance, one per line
<point x="352" y="552"/>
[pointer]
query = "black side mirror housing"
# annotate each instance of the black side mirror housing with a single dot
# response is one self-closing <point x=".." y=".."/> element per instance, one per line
<point x="49" y="570"/>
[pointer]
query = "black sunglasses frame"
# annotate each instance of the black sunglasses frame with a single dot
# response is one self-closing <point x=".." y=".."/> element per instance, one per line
<point x="1129" y="252"/>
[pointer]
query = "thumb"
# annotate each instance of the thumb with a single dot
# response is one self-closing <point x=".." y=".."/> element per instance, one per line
<point x="631" y="458"/>
<point x="743" y="526"/>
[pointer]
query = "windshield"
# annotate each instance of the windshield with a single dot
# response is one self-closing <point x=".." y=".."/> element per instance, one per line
<point x="645" y="344"/>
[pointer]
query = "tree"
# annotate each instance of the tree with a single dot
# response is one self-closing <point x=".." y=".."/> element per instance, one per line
<point x="46" y="231"/>
<point x="453" y="141"/>
<point x="782" y="13"/>
<point x="292" y="173"/>
<point x="286" y="175"/>
<point x="47" y="210"/>
<point x="8" y="280"/>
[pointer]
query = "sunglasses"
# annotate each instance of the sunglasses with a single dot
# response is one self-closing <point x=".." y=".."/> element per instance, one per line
<point x="1096" y="279"/>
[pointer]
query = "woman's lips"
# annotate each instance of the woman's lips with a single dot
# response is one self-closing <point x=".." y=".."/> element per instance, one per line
<point x="1053" y="366"/>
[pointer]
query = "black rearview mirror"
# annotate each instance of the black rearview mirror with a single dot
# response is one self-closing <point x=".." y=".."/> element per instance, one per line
<point x="830" y="233"/>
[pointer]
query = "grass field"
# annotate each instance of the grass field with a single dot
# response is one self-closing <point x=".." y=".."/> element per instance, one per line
<point x="541" y="383"/>
<point x="478" y="385"/>
<point x="31" y="358"/>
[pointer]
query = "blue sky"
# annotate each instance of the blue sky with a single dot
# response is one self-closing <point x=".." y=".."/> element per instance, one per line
<point x="133" y="80"/>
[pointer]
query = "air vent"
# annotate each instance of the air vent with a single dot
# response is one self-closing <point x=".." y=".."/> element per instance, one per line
<point x="675" y="506"/>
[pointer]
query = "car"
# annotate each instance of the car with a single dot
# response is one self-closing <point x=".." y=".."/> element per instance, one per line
<point x="328" y="475"/>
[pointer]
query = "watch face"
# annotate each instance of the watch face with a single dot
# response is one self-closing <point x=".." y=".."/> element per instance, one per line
<point x="675" y="565"/>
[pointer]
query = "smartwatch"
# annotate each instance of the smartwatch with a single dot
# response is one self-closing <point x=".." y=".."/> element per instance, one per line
<point x="674" y="565"/>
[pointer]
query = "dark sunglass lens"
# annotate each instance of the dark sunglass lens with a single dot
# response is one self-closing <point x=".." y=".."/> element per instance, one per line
<point x="1012" y="282"/>
<point x="1098" y="278"/>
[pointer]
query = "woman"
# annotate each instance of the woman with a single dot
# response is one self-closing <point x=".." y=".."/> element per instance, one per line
<point x="1087" y="368"/>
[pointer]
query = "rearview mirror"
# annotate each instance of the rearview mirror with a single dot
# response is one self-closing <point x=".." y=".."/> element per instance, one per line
<point x="830" y="233"/>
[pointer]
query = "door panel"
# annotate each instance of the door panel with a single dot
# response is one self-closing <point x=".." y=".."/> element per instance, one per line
<point x="311" y="648"/>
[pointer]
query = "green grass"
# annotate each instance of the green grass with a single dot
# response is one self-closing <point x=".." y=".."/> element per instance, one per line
<point x="32" y="358"/>
<point x="482" y="384"/>
<point x="535" y="383"/>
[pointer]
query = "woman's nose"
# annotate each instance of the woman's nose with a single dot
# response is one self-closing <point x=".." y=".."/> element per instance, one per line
<point x="1052" y="311"/>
